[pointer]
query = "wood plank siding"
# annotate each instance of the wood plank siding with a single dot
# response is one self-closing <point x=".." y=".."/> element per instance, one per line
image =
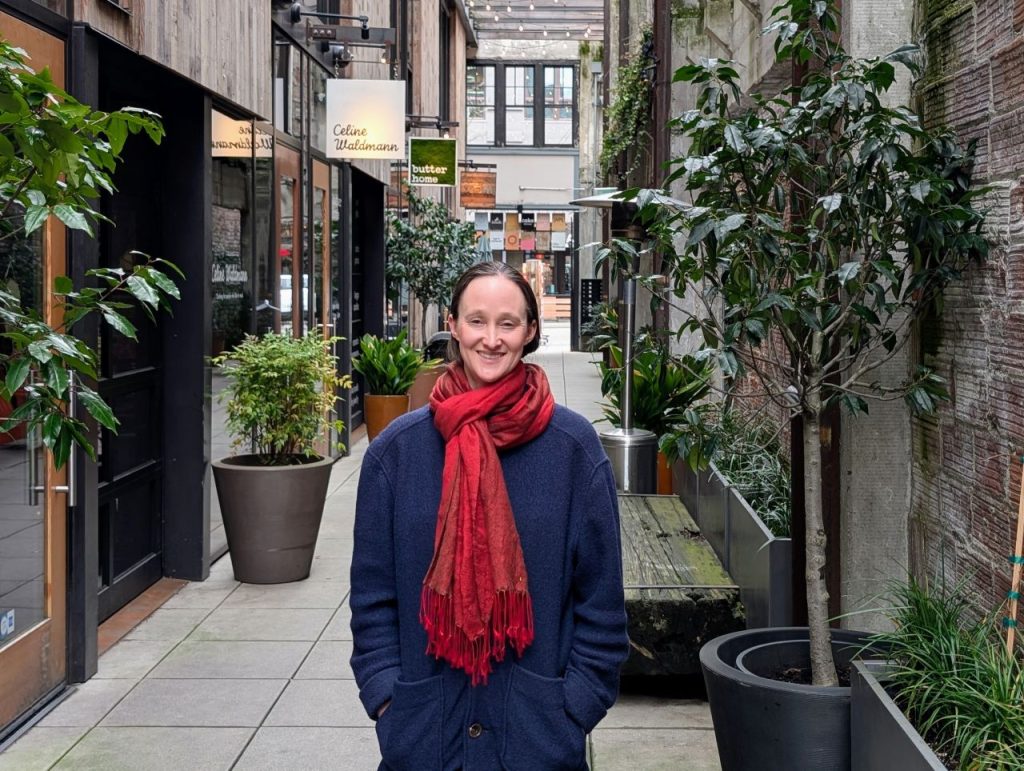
<point x="223" y="46"/>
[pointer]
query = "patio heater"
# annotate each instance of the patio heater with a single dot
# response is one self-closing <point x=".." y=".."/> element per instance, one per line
<point x="633" y="452"/>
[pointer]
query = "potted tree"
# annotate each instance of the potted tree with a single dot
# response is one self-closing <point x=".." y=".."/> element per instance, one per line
<point x="389" y="369"/>
<point x="428" y="251"/>
<point x="56" y="156"/>
<point x="824" y="224"/>
<point x="280" y="393"/>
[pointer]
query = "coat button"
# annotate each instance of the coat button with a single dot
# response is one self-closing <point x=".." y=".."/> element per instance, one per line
<point x="475" y="730"/>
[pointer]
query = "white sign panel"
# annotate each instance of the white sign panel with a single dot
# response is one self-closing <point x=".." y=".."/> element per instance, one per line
<point x="366" y="119"/>
<point x="234" y="138"/>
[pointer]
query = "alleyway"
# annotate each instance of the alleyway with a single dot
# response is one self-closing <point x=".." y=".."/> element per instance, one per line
<point x="232" y="676"/>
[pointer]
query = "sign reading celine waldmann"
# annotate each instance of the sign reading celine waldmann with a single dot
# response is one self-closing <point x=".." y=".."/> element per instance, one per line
<point x="365" y="119"/>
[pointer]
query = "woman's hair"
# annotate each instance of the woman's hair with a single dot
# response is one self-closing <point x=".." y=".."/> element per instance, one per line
<point x="482" y="269"/>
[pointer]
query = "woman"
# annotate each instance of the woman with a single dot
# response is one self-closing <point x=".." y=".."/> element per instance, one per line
<point x="485" y="522"/>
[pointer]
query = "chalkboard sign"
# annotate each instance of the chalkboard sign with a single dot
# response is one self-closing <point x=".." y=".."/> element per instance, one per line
<point x="590" y="296"/>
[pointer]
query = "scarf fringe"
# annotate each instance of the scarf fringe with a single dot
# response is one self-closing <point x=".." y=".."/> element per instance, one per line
<point x="511" y="622"/>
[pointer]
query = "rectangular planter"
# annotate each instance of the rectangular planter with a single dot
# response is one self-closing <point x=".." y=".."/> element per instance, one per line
<point x="759" y="563"/>
<point x="880" y="734"/>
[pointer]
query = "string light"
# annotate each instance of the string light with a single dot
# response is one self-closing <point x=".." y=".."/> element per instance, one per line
<point x="520" y="26"/>
<point x="495" y="17"/>
<point x="508" y="8"/>
<point x="545" y="33"/>
<point x="531" y="6"/>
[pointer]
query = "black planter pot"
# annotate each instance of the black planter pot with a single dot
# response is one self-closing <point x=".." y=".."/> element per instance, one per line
<point x="880" y="734"/>
<point x="764" y="724"/>
<point x="271" y="516"/>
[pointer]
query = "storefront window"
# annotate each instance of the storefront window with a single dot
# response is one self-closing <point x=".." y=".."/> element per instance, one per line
<point x="318" y="110"/>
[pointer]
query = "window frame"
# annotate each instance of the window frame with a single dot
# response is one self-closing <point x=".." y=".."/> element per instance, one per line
<point x="539" y="101"/>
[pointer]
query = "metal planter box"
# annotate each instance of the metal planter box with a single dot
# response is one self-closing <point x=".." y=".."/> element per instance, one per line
<point x="880" y="734"/>
<point x="759" y="563"/>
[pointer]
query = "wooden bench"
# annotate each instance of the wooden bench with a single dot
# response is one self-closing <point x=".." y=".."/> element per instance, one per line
<point x="678" y="595"/>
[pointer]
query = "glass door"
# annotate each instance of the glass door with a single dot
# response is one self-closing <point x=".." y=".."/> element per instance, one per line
<point x="33" y="553"/>
<point x="288" y="255"/>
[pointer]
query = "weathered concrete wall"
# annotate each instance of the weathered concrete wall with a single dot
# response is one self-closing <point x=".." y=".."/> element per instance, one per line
<point x="591" y="110"/>
<point x="966" y="472"/>
<point x="875" y="449"/>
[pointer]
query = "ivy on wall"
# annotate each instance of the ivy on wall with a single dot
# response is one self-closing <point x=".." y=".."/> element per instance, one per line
<point x="628" y="117"/>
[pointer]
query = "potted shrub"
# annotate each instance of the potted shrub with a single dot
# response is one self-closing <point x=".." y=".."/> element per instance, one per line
<point x="948" y="691"/>
<point x="665" y="388"/>
<point x="280" y="395"/>
<point x="389" y="368"/>
<point x="823" y="224"/>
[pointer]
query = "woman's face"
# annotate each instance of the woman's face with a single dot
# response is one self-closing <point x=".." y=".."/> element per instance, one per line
<point x="491" y="328"/>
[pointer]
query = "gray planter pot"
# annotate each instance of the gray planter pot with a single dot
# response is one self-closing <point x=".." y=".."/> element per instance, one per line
<point x="271" y="516"/>
<point x="762" y="723"/>
<point x="880" y="734"/>
<point x="760" y="563"/>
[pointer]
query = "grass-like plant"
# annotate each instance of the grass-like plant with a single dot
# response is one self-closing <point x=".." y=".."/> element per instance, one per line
<point x="281" y="395"/>
<point x="953" y="677"/>
<point x="389" y="367"/>
<point x="750" y="458"/>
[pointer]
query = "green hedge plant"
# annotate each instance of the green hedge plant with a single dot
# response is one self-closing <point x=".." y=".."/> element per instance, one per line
<point x="281" y="394"/>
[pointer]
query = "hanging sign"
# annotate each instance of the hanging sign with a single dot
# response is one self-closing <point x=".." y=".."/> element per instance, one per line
<point x="527" y="220"/>
<point x="478" y="189"/>
<point x="432" y="162"/>
<point x="365" y="119"/>
<point x="235" y="138"/>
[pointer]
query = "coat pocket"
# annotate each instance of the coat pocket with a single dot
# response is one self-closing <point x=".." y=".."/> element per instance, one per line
<point x="409" y="731"/>
<point x="539" y="734"/>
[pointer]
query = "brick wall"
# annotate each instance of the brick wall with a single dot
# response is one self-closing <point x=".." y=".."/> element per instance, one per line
<point x="965" y="469"/>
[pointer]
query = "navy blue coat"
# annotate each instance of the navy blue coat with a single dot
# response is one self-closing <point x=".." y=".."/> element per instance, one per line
<point x="535" y="712"/>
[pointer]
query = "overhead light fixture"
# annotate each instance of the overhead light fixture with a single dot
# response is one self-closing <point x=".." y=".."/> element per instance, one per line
<point x="520" y="26"/>
<point x="295" y="14"/>
<point x="531" y="6"/>
<point x="567" y="33"/>
<point x="487" y="7"/>
<point x="495" y="17"/>
<point x="508" y="8"/>
<point x="545" y="33"/>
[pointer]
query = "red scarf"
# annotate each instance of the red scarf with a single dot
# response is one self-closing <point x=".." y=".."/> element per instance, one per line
<point x="475" y="596"/>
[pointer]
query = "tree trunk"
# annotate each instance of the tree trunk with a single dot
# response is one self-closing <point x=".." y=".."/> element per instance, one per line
<point x="823" y="669"/>
<point x="423" y="324"/>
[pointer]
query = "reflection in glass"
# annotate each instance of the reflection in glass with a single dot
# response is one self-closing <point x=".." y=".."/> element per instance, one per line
<point x="22" y="460"/>
<point x="286" y="245"/>
<point x="558" y="105"/>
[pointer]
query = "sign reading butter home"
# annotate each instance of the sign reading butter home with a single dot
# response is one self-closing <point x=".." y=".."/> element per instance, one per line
<point x="366" y="119"/>
<point x="432" y="162"/>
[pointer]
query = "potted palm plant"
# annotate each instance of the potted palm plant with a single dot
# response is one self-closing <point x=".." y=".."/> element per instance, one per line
<point x="280" y="394"/>
<point x="824" y="223"/>
<point x="389" y="368"/>
<point x="665" y="388"/>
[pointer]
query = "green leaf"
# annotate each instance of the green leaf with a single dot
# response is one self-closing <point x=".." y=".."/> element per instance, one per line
<point x="97" y="408"/>
<point x="72" y="217"/>
<point x="919" y="190"/>
<point x="17" y="374"/>
<point x="734" y="138"/>
<point x="848" y="271"/>
<point x="120" y="323"/>
<point x="35" y="216"/>
<point x="142" y="291"/>
<point x="63" y="285"/>
<point x="56" y="378"/>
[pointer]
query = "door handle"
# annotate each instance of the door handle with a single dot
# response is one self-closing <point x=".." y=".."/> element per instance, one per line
<point x="32" y="437"/>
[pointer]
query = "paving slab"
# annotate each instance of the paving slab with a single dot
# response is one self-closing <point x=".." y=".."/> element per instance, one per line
<point x="156" y="749"/>
<point x="199" y="703"/>
<point x="89" y="704"/>
<point x="168" y="624"/>
<point x="319" y="703"/>
<point x="327" y="661"/>
<point x="263" y="624"/>
<point x="132" y="658"/>
<point x="339" y="627"/>
<point x="654" y="749"/>
<point x="231" y="659"/>
<point x="300" y="594"/>
<point x="288" y="749"/>
<point x="636" y="711"/>
<point x="40" y="748"/>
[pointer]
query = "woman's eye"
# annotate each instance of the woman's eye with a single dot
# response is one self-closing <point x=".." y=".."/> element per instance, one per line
<point x="476" y="323"/>
<point x="509" y="326"/>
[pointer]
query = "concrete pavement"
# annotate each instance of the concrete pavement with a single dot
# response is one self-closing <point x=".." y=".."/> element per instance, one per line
<point x="240" y="676"/>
